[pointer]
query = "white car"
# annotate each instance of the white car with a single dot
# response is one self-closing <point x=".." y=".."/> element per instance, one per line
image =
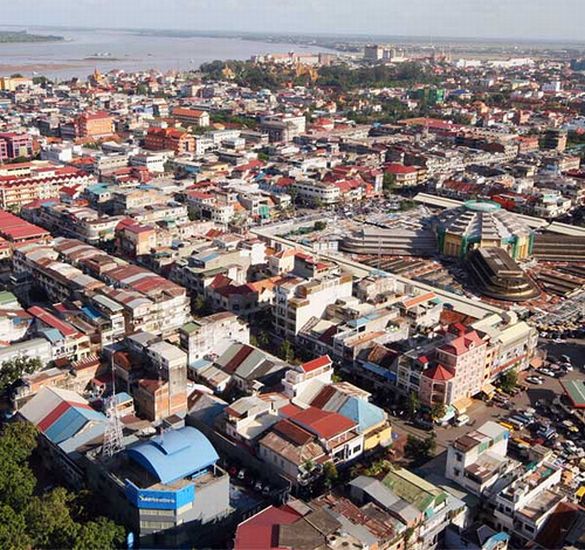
<point x="461" y="420"/>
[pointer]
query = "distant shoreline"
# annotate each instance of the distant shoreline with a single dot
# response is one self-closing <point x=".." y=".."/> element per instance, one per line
<point x="23" y="37"/>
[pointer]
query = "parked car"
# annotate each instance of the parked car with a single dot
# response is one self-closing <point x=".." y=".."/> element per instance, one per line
<point x="462" y="420"/>
<point x="423" y="423"/>
<point x="534" y="380"/>
<point x="547" y="372"/>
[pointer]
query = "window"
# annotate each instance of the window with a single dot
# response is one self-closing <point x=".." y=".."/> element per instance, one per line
<point x="459" y="457"/>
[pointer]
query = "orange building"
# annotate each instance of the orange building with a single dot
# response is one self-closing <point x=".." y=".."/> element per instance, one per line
<point x="94" y="125"/>
<point x="153" y="399"/>
<point x="165" y="139"/>
<point x="191" y="116"/>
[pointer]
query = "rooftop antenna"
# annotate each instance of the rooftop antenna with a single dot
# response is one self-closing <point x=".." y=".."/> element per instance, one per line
<point x="113" y="436"/>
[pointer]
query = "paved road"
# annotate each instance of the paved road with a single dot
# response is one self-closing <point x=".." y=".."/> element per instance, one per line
<point x="480" y="413"/>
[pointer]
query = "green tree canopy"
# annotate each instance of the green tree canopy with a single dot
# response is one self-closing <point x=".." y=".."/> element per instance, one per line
<point x="14" y="369"/>
<point x="286" y="351"/>
<point x="509" y="379"/>
<point x="420" y="450"/>
<point x="413" y="404"/>
<point x="438" y="411"/>
<point x="52" y="520"/>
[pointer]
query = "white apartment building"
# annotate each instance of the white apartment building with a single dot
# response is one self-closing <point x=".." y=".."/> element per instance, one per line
<point x="213" y="334"/>
<point x="477" y="460"/>
<point x="512" y="342"/>
<point x="523" y="506"/>
<point x="153" y="162"/>
<point x="297" y="301"/>
<point x="317" y="192"/>
<point x="300" y="377"/>
<point x="39" y="348"/>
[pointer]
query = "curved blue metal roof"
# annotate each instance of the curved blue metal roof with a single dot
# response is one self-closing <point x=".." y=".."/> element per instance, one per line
<point x="175" y="454"/>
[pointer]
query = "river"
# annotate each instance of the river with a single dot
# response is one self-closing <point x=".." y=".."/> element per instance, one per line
<point x="127" y="51"/>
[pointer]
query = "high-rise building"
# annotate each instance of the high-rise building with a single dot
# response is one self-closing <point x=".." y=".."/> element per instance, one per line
<point x="373" y="52"/>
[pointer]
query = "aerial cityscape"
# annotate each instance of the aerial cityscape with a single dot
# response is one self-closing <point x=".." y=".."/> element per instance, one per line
<point x="292" y="275"/>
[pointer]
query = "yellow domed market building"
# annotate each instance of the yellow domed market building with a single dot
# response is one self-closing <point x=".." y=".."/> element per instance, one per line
<point x="482" y="224"/>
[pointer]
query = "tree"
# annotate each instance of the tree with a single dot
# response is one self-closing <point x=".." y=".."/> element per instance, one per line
<point x="509" y="379"/>
<point x="413" y="404"/>
<point x="263" y="339"/>
<point x="320" y="225"/>
<point x="53" y="520"/>
<point x="14" y="369"/>
<point x="430" y="444"/>
<point x="98" y="535"/>
<point x="202" y="306"/>
<point x="286" y="351"/>
<point x="331" y="474"/>
<point x="379" y="468"/>
<point x="438" y="411"/>
<point x="389" y="182"/>
<point x="18" y="441"/>
<point x="13" y="530"/>
<point x="49" y="520"/>
<point x="420" y="450"/>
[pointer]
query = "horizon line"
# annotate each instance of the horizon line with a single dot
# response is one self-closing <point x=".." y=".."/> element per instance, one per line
<point x="322" y="34"/>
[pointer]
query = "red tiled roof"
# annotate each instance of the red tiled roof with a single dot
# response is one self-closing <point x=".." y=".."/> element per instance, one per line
<point x="438" y="372"/>
<point x="316" y="363"/>
<point x="64" y="328"/>
<point x="183" y="111"/>
<point x="238" y="359"/>
<point x="463" y="343"/>
<point x="14" y="228"/>
<point x="323" y="397"/>
<point x="260" y="532"/>
<point x="395" y="168"/>
<point x="323" y="423"/>
<point x="411" y="302"/>
<point x="289" y="410"/>
<point x="292" y="432"/>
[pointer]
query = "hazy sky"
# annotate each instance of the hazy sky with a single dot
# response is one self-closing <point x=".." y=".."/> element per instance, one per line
<point x="564" y="19"/>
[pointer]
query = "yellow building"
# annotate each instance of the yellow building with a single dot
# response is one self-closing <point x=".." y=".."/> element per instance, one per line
<point x="11" y="83"/>
<point x="478" y="224"/>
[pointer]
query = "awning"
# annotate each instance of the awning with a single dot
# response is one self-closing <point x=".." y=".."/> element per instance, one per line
<point x="536" y="362"/>
<point x="488" y="389"/>
<point x="461" y="405"/>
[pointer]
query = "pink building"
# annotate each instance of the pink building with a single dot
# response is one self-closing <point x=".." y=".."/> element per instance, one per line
<point x="14" y="145"/>
<point x="459" y="369"/>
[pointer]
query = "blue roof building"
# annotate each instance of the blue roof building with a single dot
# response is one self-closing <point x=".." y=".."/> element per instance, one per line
<point x="173" y="484"/>
<point x="365" y="414"/>
<point x="175" y="454"/>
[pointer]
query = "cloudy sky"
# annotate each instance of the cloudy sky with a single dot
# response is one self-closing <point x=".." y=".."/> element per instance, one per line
<point x="522" y="19"/>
